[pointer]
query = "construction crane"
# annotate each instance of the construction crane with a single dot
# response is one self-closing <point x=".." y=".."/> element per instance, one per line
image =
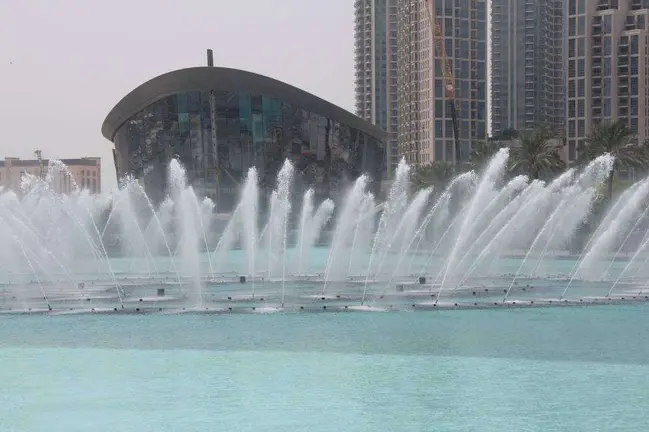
<point x="449" y="81"/>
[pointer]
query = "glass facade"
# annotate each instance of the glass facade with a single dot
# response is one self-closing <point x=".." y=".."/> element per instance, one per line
<point x="218" y="135"/>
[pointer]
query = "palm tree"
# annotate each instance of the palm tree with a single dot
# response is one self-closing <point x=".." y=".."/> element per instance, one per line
<point x="436" y="174"/>
<point x="536" y="154"/>
<point x="509" y="134"/>
<point x="483" y="151"/>
<point x="618" y="140"/>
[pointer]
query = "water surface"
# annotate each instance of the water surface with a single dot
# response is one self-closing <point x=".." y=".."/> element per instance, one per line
<point x="573" y="369"/>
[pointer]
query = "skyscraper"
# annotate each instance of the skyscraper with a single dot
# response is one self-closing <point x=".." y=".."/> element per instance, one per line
<point x="375" y="34"/>
<point x="425" y="125"/>
<point x="526" y="64"/>
<point x="607" y="66"/>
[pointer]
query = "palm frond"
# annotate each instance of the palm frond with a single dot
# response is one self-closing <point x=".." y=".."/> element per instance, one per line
<point x="537" y="154"/>
<point x="433" y="174"/>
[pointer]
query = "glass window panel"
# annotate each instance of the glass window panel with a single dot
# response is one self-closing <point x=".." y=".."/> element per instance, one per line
<point x="218" y="135"/>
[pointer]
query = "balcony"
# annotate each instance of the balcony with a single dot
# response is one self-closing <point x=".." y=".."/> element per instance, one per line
<point x="602" y="6"/>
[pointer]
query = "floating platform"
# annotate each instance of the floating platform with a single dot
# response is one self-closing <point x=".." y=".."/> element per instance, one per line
<point x="336" y="306"/>
<point x="297" y="295"/>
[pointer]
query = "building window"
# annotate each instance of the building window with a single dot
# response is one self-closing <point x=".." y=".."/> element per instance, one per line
<point x="634" y="65"/>
<point x="581" y="128"/>
<point x="634" y="45"/>
<point x="438" y="87"/>
<point x="571" y="69"/>
<point x="607" y="66"/>
<point x="439" y="108"/>
<point x="633" y="106"/>
<point x="439" y="150"/>
<point x="606" y="108"/>
<point x="606" y="45"/>
<point x="439" y="128"/>
<point x="572" y="26"/>
<point x="572" y="153"/>
<point x="606" y="87"/>
<point x="606" y="24"/>
<point x="449" y="129"/>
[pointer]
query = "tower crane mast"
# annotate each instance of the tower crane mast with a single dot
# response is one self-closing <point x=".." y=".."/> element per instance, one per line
<point x="449" y="80"/>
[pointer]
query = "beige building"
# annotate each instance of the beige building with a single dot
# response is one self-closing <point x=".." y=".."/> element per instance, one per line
<point x="607" y="59"/>
<point x="425" y="125"/>
<point x="85" y="172"/>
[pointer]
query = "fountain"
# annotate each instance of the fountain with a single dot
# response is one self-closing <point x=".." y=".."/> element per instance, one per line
<point x="484" y="241"/>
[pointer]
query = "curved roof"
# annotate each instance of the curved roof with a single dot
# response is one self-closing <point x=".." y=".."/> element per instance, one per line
<point x="217" y="78"/>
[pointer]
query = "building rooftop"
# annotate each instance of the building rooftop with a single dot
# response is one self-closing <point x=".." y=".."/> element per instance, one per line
<point x="86" y="161"/>
<point x="219" y="78"/>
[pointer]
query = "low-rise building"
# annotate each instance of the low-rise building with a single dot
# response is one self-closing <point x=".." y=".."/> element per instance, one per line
<point x="84" y="172"/>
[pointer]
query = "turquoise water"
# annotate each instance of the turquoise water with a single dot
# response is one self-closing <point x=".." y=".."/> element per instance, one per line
<point x="563" y="369"/>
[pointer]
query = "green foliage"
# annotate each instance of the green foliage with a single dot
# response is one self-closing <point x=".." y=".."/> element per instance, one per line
<point x="536" y="154"/>
<point x="618" y="140"/>
<point x="436" y="174"/>
<point x="509" y="134"/>
<point x="483" y="151"/>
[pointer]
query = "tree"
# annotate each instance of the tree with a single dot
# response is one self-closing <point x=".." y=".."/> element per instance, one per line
<point x="620" y="142"/>
<point x="536" y="154"/>
<point x="509" y="134"/>
<point x="436" y="174"/>
<point x="483" y="151"/>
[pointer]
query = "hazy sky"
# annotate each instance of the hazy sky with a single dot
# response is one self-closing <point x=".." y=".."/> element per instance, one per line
<point x="65" y="63"/>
